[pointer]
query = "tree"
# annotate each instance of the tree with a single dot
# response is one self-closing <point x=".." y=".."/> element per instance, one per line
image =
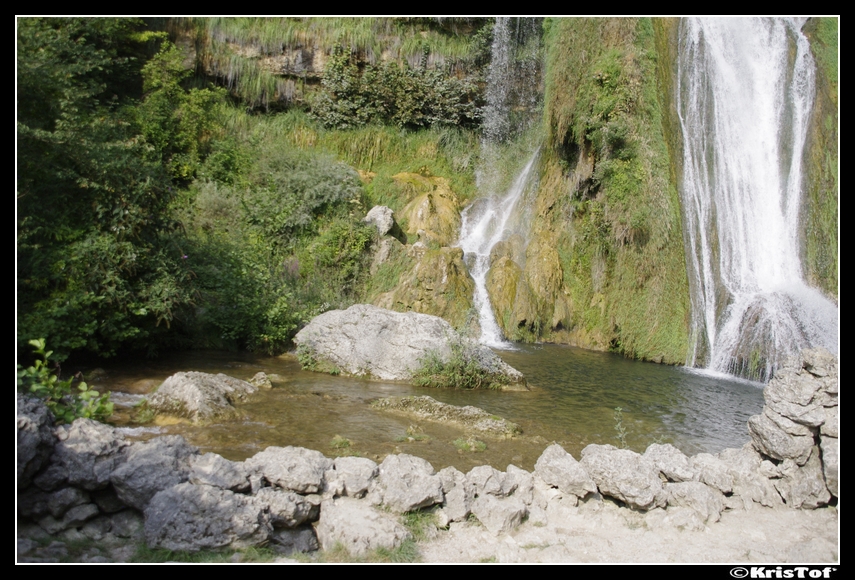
<point x="97" y="264"/>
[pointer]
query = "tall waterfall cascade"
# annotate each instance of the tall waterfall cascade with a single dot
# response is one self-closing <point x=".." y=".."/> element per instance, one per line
<point x="513" y="98"/>
<point x="745" y="93"/>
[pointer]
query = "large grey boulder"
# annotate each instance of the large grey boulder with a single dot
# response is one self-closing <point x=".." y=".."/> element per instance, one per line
<point x="520" y="483"/>
<point x="86" y="455"/>
<point x="374" y="342"/>
<point x="780" y="438"/>
<point x="624" y="475"/>
<point x="486" y="480"/>
<point x="751" y="478"/>
<point x="198" y="517"/>
<point x="560" y="469"/>
<point x="801" y="401"/>
<point x="152" y="466"/>
<point x="499" y="515"/>
<point x="713" y="471"/>
<point x="831" y="463"/>
<point x="73" y="518"/>
<point x="358" y="527"/>
<point x="803" y="486"/>
<point x="409" y="483"/>
<point x="35" y="437"/>
<point x="670" y="461"/>
<point x="350" y="476"/>
<point x="383" y="218"/>
<point x="707" y="501"/>
<point x="287" y="509"/>
<point x="216" y="470"/>
<point x="294" y="469"/>
<point x="200" y="397"/>
<point x="458" y="495"/>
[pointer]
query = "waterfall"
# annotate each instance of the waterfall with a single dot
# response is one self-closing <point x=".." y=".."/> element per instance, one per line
<point x="512" y="100"/>
<point x="745" y="92"/>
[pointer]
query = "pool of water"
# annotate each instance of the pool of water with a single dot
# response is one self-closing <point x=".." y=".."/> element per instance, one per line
<point x="573" y="397"/>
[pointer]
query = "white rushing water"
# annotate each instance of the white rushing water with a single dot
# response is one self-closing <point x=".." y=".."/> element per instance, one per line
<point x="483" y="225"/>
<point x="512" y="97"/>
<point x="745" y="93"/>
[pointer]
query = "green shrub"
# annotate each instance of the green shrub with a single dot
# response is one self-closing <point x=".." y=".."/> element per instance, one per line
<point x="65" y="402"/>
<point x="389" y="94"/>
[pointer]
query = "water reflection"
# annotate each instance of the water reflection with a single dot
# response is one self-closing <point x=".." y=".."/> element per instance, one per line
<point x="572" y="401"/>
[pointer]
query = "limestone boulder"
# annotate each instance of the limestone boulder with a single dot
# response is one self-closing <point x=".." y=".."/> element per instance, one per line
<point x="383" y="218"/>
<point x="409" y="483"/>
<point x="751" y="478"/>
<point x="202" y="517"/>
<point x="358" y="526"/>
<point x="707" y="501"/>
<point x="670" y="461"/>
<point x="831" y="463"/>
<point x="85" y="456"/>
<point x="499" y="515"/>
<point x="486" y="480"/>
<point x="458" y="495"/>
<point x="560" y="469"/>
<point x="713" y="471"/>
<point x="287" y="509"/>
<point x="294" y="469"/>
<point x="152" y="466"/>
<point x="368" y="341"/>
<point x="350" y="477"/>
<point x="200" y="397"/>
<point x="803" y="486"/>
<point x="773" y="436"/>
<point x="624" y="475"/>
<point x="214" y="469"/>
<point x="35" y="437"/>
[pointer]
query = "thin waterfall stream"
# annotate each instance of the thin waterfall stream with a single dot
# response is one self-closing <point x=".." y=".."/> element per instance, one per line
<point x="512" y="97"/>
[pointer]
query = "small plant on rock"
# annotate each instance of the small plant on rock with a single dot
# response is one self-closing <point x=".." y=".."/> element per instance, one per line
<point x="65" y="401"/>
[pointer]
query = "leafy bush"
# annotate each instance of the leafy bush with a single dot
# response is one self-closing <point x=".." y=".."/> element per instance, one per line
<point x="388" y="94"/>
<point x="64" y="402"/>
<point x="291" y="189"/>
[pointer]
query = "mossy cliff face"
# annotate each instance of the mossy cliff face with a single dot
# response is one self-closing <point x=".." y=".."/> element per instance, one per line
<point x="605" y="264"/>
<point x="820" y="216"/>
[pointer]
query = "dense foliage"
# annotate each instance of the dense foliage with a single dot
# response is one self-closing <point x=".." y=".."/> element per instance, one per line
<point x="389" y="94"/>
<point x="98" y="266"/>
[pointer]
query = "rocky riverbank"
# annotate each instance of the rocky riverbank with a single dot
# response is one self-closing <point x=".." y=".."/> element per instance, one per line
<point x="772" y="500"/>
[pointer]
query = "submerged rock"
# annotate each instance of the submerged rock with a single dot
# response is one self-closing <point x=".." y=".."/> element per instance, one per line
<point x="469" y="417"/>
<point x="200" y="397"/>
<point x="373" y="342"/>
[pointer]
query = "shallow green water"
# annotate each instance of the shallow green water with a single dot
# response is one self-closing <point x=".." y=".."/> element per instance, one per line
<point x="572" y="400"/>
